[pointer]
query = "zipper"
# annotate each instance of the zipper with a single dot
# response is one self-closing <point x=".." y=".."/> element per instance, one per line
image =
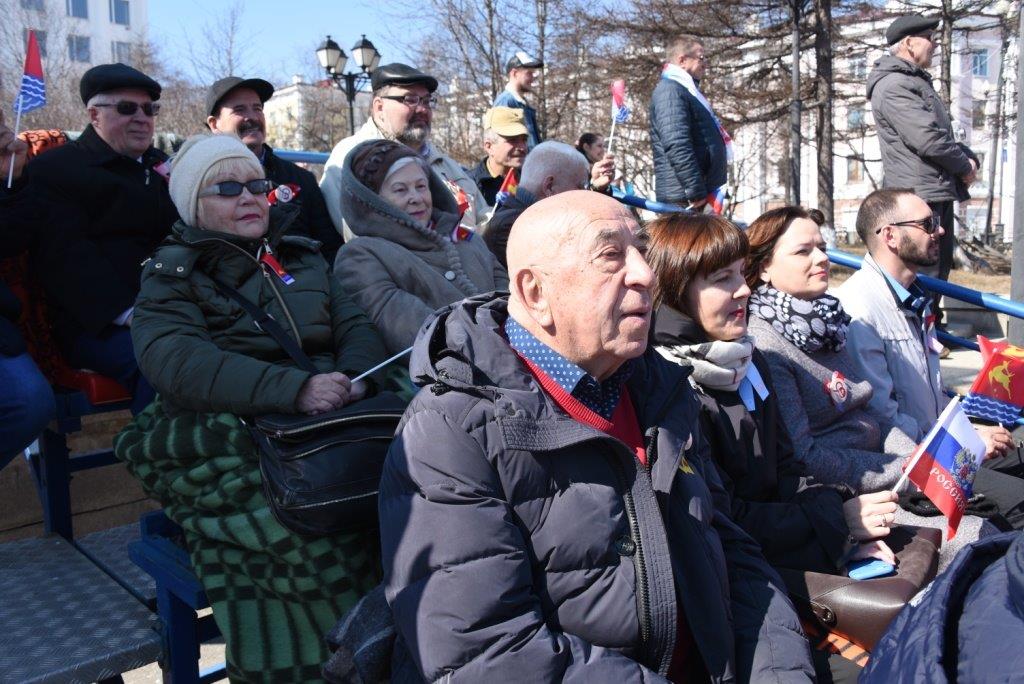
<point x="279" y="433"/>
<point x="643" y="590"/>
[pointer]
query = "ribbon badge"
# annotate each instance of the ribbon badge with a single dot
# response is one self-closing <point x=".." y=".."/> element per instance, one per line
<point x="838" y="389"/>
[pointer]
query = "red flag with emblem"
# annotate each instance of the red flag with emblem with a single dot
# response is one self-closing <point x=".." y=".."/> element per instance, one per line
<point x="998" y="392"/>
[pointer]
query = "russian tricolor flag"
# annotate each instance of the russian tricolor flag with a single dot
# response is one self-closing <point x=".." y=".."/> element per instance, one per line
<point x="716" y="199"/>
<point x="620" y="112"/>
<point x="945" y="462"/>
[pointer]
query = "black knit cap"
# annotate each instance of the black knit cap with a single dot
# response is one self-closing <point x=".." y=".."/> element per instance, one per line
<point x="909" y="25"/>
<point x="372" y="160"/>
<point x="105" y="77"/>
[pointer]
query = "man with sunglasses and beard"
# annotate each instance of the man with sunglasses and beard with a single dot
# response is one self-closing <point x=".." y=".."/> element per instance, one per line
<point x="891" y="337"/>
<point x="402" y="109"/>
<point x="235" y="105"/>
<point x="103" y="207"/>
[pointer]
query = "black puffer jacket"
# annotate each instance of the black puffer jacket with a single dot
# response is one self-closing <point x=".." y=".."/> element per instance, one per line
<point x="798" y="526"/>
<point x="689" y="153"/>
<point x="915" y="133"/>
<point x="519" y="543"/>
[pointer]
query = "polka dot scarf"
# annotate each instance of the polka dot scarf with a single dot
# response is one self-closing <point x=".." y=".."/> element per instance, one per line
<point x="810" y="326"/>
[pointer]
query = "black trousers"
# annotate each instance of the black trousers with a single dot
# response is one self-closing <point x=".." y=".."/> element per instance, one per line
<point x="947" y="245"/>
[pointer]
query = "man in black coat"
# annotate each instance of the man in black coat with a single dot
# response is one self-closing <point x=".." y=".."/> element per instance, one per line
<point x="235" y="105"/>
<point x="26" y="401"/>
<point x="108" y="208"/>
<point x="691" y="149"/>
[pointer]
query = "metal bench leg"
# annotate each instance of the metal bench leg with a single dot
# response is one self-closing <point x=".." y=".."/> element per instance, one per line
<point x="55" y="483"/>
<point x="182" y="642"/>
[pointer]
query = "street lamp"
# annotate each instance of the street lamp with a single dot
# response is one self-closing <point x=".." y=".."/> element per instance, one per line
<point x="333" y="59"/>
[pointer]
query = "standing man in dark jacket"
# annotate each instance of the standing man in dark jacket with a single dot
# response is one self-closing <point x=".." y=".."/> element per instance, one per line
<point x="915" y="133"/>
<point x="235" y="105"/>
<point x="692" y="151"/>
<point x="548" y="509"/>
<point x="107" y="194"/>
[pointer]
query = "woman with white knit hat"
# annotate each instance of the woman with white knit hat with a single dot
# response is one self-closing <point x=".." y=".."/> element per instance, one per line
<point x="274" y="594"/>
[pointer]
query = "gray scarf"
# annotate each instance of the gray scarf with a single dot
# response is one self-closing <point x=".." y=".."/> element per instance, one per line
<point x="716" y="365"/>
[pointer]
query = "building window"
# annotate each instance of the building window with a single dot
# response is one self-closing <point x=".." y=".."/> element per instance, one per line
<point x="32" y="5"/>
<point x="858" y="67"/>
<point x="121" y="52"/>
<point x="78" y="9"/>
<point x="40" y="38"/>
<point x="981" y="166"/>
<point x="119" y="13"/>
<point x="78" y="48"/>
<point x="854" y="170"/>
<point x="978" y="115"/>
<point x="979" y="63"/>
<point x="855" y="117"/>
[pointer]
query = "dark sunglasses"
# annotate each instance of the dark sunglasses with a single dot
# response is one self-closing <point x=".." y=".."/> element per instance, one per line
<point x="260" y="186"/>
<point x="128" y="108"/>
<point x="929" y="224"/>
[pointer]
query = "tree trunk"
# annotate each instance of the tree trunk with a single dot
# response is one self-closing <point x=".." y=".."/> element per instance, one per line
<point x="795" y="140"/>
<point x="946" y="49"/>
<point x="997" y="127"/>
<point x="823" y="61"/>
<point x="541" y="8"/>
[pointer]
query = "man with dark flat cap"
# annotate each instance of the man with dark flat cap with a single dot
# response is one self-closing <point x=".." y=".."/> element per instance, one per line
<point x="521" y="74"/>
<point x="104" y="206"/>
<point x="235" y="105"/>
<point x="402" y="109"/>
<point x="919" y="150"/>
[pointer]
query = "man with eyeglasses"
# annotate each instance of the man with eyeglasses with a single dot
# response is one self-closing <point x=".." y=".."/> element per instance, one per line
<point x="235" y="105"/>
<point x="692" y="150"/>
<point x="915" y="134"/>
<point x="104" y="206"/>
<point x="401" y="109"/>
<point x="891" y="337"/>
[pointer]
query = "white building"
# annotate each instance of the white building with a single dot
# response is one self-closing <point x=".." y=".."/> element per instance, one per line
<point x="761" y="168"/>
<point x="311" y="116"/>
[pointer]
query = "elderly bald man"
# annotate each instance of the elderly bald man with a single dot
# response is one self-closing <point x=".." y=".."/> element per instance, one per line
<point x="548" y="511"/>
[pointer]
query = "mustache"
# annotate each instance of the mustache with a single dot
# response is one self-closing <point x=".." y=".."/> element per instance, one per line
<point x="249" y="127"/>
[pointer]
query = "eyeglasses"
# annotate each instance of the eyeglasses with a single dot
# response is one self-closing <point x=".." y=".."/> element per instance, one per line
<point x="413" y="101"/>
<point x="929" y="224"/>
<point x="260" y="186"/>
<point x="128" y="108"/>
<point x="700" y="58"/>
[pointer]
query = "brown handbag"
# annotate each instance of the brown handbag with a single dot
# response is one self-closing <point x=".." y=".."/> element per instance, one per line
<point x="861" y="610"/>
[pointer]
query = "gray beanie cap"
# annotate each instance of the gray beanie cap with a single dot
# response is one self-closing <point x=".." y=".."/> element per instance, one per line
<point x="192" y="162"/>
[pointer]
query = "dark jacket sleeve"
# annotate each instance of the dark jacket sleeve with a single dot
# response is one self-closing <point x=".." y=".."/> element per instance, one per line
<point x="318" y="219"/>
<point x="178" y="357"/>
<point x="770" y="644"/>
<point x="673" y="122"/>
<point x="457" y="569"/>
<point x="358" y="344"/>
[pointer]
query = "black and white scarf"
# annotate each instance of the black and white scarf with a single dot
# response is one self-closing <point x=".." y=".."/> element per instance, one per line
<point x="810" y="325"/>
<point x="716" y="364"/>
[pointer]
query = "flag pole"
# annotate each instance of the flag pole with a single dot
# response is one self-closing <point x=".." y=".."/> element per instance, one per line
<point x="381" y="365"/>
<point x="920" y="447"/>
<point x="611" y="138"/>
<point x="17" y="126"/>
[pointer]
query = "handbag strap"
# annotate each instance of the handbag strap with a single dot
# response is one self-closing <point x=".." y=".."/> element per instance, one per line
<point x="267" y="324"/>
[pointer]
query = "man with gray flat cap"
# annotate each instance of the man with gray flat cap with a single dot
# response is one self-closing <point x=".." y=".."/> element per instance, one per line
<point x="104" y="207"/>
<point x="919" y="150"/>
<point x="235" y="105"/>
<point x="401" y="109"/>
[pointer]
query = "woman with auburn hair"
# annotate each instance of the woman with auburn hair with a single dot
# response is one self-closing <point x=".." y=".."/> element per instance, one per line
<point x="701" y="323"/>
<point x="801" y="330"/>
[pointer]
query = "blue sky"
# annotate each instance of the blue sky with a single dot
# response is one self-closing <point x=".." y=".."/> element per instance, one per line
<point x="283" y="33"/>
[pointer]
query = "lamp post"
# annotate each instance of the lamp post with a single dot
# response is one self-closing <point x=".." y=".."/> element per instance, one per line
<point x="333" y="59"/>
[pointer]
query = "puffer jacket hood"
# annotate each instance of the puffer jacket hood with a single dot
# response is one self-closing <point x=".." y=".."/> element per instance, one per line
<point x="368" y="214"/>
<point x="516" y="539"/>
<point x="890" y="64"/>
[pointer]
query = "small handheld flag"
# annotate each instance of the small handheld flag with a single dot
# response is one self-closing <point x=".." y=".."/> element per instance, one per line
<point x="945" y="462"/>
<point x="32" y="94"/>
<point x="716" y="200"/>
<point x="998" y="392"/>
<point x="508" y="188"/>
<point x="620" y="112"/>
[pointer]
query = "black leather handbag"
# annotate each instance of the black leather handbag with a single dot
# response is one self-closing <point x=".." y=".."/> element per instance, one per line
<point x="321" y="473"/>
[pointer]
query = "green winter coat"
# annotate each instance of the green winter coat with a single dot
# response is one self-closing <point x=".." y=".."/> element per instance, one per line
<point x="201" y="351"/>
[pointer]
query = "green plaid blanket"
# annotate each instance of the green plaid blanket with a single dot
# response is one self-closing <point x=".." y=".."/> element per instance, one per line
<point x="274" y="594"/>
